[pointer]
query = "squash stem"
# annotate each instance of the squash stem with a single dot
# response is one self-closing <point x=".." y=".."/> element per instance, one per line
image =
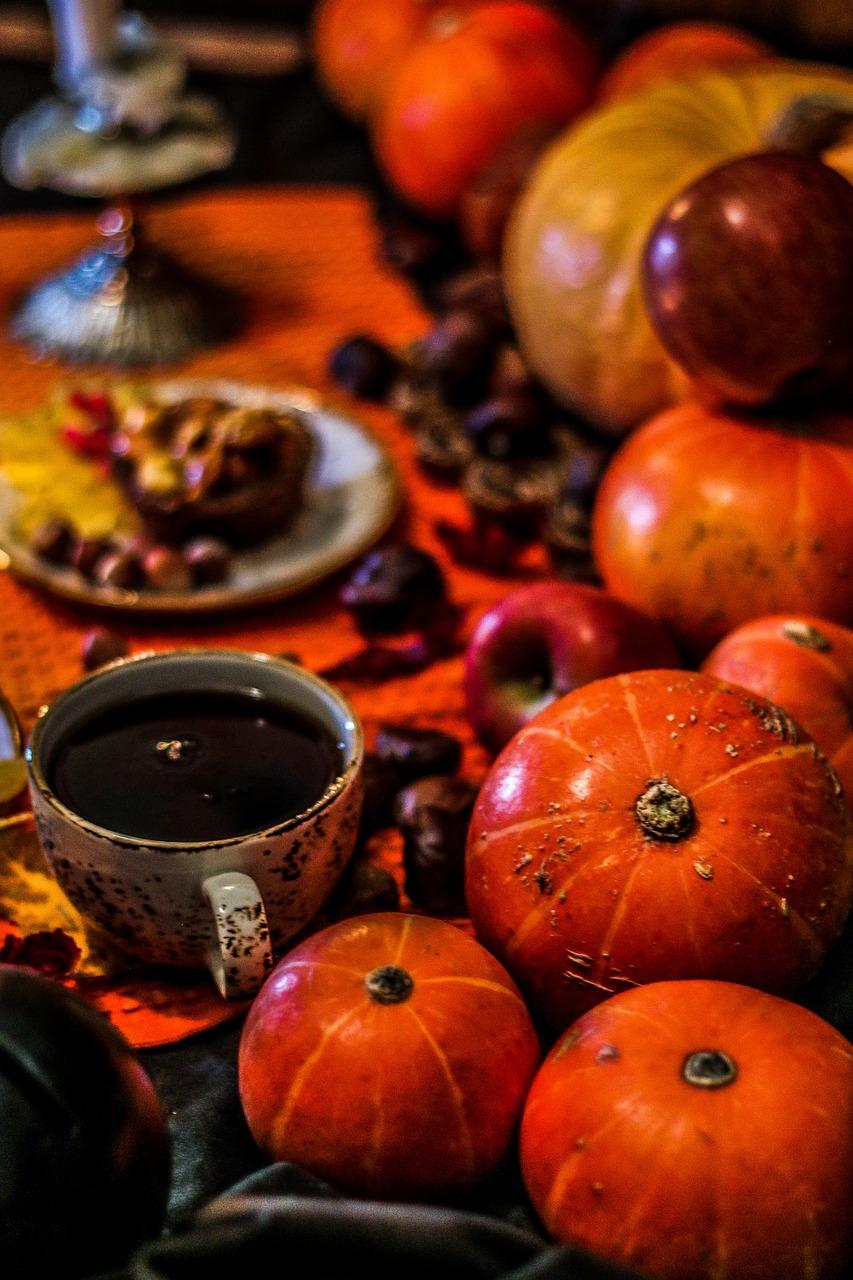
<point x="389" y="984"/>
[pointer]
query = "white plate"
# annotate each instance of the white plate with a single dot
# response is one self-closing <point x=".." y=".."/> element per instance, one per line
<point x="352" y="495"/>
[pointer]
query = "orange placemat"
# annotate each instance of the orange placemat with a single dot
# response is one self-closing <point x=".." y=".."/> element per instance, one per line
<point x="305" y="261"/>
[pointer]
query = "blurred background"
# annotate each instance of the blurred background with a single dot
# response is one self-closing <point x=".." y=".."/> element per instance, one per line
<point x="252" y="56"/>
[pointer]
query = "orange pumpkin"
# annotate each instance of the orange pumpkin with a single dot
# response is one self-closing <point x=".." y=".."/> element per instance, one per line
<point x="656" y="825"/>
<point x="676" y="52"/>
<point x="805" y="664"/>
<point x="706" y="521"/>
<point x="475" y="79"/>
<point x="390" y="1054"/>
<point x="358" y="43"/>
<point x="695" y="1130"/>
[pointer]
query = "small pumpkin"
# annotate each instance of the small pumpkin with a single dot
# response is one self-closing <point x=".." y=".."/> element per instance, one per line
<point x="390" y="1054"/>
<point x="357" y="44"/>
<point x="694" y="1130"/>
<point x="575" y="238"/>
<point x="676" y="52"/>
<point x="475" y="78"/>
<point x="763" y="525"/>
<point x="805" y="664"/>
<point x="657" y="825"/>
<point x="800" y="24"/>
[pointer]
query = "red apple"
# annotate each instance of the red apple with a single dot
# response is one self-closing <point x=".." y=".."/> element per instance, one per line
<point x="748" y="280"/>
<point x="543" y="641"/>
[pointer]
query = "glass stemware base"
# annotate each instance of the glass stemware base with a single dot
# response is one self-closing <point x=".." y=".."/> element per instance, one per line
<point x="124" y="302"/>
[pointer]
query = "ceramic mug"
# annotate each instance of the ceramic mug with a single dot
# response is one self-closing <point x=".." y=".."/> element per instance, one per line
<point x="224" y="904"/>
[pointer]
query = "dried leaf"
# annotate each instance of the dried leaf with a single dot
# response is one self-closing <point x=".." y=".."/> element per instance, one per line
<point x="31" y="898"/>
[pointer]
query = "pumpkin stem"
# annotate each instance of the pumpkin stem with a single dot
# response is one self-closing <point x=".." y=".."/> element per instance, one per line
<point x="389" y="984"/>
<point x="812" y="124"/>
<point x="709" y="1069"/>
<point x="664" y="812"/>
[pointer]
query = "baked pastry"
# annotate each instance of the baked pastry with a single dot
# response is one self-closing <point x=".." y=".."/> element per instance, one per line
<point x="203" y="466"/>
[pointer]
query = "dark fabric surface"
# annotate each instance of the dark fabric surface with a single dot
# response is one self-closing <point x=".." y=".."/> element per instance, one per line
<point x="287" y="1223"/>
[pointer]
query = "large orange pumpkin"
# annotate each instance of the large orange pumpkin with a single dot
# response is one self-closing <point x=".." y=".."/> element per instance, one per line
<point x="706" y="520"/>
<point x="576" y="235"/>
<point x="805" y="664"/>
<point x="696" y="1130"/>
<point x="390" y="1054"/>
<point x="475" y="78"/>
<point x="656" y="825"/>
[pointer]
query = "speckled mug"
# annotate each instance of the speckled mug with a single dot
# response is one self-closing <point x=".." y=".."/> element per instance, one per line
<point x="223" y="904"/>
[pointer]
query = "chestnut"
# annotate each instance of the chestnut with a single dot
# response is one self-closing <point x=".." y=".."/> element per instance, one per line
<point x="393" y="588"/>
<point x="364" y="888"/>
<point x="434" y="814"/>
<point x="381" y="781"/>
<point x="363" y="367"/>
<point x="416" y="753"/>
<point x="101" y="646"/>
<point x="509" y="426"/>
<point x="457" y="355"/>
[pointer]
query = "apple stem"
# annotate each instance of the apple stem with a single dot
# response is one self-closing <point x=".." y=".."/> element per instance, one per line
<point x="664" y="812"/>
<point x="813" y="124"/>
<point x="709" y="1069"/>
<point x="389" y="984"/>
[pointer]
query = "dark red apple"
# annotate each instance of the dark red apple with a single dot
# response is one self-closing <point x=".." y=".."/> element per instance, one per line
<point x="544" y="640"/>
<point x="748" y="280"/>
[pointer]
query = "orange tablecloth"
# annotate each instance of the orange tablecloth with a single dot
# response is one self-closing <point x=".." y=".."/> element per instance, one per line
<point x="305" y="261"/>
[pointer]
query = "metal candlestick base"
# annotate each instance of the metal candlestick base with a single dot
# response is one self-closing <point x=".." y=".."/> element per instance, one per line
<point x="124" y="303"/>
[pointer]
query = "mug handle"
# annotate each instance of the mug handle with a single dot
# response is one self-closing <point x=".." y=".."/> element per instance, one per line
<point x="241" y="955"/>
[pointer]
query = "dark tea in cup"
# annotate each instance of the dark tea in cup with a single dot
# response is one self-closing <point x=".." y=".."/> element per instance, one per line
<point x="194" y="766"/>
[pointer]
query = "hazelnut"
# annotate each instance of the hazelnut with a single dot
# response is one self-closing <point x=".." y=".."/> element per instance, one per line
<point x="88" y="552"/>
<point x="53" y="541"/>
<point x="166" y="570"/>
<point x="209" y="561"/>
<point x="119" y="569"/>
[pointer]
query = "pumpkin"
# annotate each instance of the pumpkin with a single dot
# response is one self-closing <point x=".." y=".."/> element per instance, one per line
<point x="763" y="525"/>
<point x="356" y="45"/>
<point x="575" y="238"/>
<point x="805" y="664"/>
<point x="695" y="1130"/>
<point x="827" y="25"/>
<point x="657" y="825"/>
<point x="476" y="78"/>
<point x="390" y="1054"/>
<point x="677" y="51"/>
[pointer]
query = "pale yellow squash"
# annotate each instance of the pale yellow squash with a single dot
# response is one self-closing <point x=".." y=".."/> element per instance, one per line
<point x="576" y="236"/>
